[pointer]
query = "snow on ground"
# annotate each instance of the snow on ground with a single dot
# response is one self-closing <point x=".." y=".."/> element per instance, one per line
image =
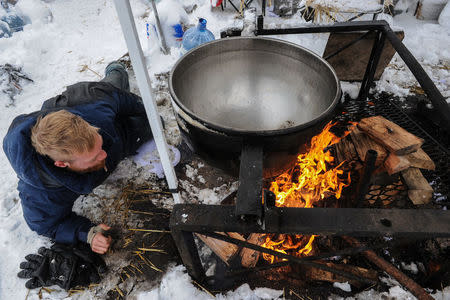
<point x="70" y="41"/>
<point x="429" y="42"/>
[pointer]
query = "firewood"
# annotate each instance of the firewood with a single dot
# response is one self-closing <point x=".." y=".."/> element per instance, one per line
<point x="226" y="251"/>
<point x="363" y="143"/>
<point x="419" y="190"/>
<point x="313" y="273"/>
<point x="390" y="135"/>
<point x="345" y="150"/>
<point x="249" y="257"/>
<point x="419" y="159"/>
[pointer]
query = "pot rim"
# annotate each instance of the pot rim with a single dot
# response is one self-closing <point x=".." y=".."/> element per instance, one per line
<point x="237" y="132"/>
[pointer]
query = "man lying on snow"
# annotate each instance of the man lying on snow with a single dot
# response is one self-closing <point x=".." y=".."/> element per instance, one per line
<point x="70" y="147"/>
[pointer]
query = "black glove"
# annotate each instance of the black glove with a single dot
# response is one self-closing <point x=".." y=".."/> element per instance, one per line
<point x="64" y="265"/>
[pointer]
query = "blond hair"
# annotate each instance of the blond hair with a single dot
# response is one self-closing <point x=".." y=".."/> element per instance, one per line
<point x="61" y="134"/>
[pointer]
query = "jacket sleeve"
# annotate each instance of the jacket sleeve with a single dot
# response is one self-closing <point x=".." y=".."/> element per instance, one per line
<point x="50" y="214"/>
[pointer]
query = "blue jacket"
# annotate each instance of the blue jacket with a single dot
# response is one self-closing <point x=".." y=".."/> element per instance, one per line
<point x="48" y="192"/>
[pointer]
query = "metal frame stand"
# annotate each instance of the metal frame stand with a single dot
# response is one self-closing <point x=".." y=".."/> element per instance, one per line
<point x="144" y="83"/>
<point x="209" y="219"/>
<point x="412" y="223"/>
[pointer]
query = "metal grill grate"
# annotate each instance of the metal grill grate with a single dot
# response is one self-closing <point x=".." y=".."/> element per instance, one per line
<point x="355" y="110"/>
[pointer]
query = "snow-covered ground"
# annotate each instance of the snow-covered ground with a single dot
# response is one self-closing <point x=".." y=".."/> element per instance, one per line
<point x="70" y="41"/>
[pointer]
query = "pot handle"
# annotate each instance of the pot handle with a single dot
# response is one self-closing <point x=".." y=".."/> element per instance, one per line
<point x="249" y="195"/>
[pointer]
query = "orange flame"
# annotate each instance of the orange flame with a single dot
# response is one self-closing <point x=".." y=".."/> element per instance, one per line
<point x="314" y="182"/>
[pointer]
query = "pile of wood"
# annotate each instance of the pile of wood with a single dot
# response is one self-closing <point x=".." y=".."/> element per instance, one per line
<point x="398" y="150"/>
<point x="228" y="252"/>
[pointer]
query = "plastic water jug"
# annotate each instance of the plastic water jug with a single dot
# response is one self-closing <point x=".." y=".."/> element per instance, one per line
<point x="195" y="36"/>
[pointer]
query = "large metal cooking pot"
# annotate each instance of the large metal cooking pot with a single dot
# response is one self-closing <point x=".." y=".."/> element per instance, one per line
<point x="249" y="89"/>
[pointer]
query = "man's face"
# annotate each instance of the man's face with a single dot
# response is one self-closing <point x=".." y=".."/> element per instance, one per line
<point x="90" y="161"/>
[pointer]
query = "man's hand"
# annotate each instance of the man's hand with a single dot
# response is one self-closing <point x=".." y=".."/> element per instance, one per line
<point x="101" y="243"/>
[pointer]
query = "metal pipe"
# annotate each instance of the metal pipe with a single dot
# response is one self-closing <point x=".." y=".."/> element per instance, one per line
<point x="416" y="223"/>
<point x="372" y="65"/>
<point x="404" y="280"/>
<point x="144" y="83"/>
<point x="234" y="6"/>
<point x="249" y="195"/>
<point x="355" y="17"/>
<point x="158" y="27"/>
<point x="422" y="77"/>
<point x="245" y="244"/>
<point x="187" y="249"/>
<point x="344" y="252"/>
<point x="294" y="259"/>
<point x="364" y="182"/>
<point x="336" y="27"/>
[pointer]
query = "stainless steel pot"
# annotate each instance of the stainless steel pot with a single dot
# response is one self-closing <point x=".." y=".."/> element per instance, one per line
<point x="234" y="90"/>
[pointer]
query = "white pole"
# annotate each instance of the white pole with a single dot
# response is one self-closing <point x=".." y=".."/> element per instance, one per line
<point x="144" y="83"/>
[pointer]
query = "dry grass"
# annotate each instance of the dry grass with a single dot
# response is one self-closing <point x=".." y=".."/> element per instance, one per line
<point x="321" y="13"/>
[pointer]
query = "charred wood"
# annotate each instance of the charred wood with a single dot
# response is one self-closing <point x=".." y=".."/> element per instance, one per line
<point x="363" y="143"/>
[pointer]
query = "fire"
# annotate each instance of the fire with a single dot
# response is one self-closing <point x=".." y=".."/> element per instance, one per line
<point x="310" y="181"/>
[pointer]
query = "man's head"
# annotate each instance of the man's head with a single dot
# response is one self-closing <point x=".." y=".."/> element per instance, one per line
<point x="70" y="141"/>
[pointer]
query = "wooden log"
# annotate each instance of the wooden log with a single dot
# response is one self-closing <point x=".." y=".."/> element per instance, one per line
<point x="313" y="273"/>
<point x="345" y="150"/>
<point x="250" y="257"/>
<point x="396" y="163"/>
<point x="363" y="143"/>
<point x="419" y="190"/>
<point x="390" y="135"/>
<point x="226" y="251"/>
<point x="419" y="159"/>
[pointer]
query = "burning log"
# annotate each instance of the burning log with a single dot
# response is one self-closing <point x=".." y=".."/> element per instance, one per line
<point x="313" y="273"/>
<point x="345" y="151"/>
<point x="363" y="143"/>
<point x="420" y="191"/>
<point x="250" y="257"/>
<point x="419" y="159"/>
<point x="226" y="251"/>
<point x="390" y="135"/>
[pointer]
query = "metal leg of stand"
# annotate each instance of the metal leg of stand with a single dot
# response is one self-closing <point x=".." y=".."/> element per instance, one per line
<point x="189" y="254"/>
<point x="375" y="55"/>
<point x="234" y="6"/>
